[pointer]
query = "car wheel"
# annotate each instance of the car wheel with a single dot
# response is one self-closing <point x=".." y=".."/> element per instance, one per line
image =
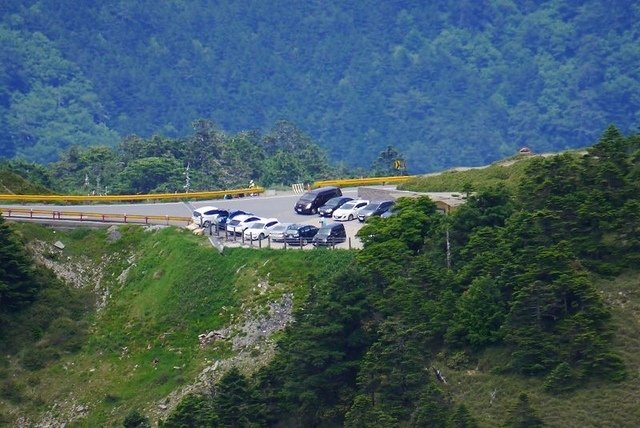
<point x="350" y="217"/>
<point x="206" y="224"/>
<point x="261" y="237"/>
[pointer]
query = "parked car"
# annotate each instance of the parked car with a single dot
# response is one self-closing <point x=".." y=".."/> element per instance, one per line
<point x="314" y="199"/>
<point x="222" y="219"/>
<point x="332" y="204"/>
<point x="277" y="232"/>
<point x="260" y="229"/>
<point x="375" y="208"/>
<point x="240" y="222"/>
<point x="390" y="212"/>
<point x="349" y="210"/>
<point x="330" y="234"/>
<point x="300" y="234"/>
<point x="205" y="216"/>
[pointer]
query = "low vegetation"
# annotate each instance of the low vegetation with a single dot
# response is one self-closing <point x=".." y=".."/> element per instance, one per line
<point x="519" y="309"/>
<point x="165" y="287"/>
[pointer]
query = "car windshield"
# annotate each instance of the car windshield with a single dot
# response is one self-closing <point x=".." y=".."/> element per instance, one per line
<point x="196" y="214"/>
<point x="372" y="206"/>
<point x="349" y="205"/>
<point x="234" y="222"/>
<point x="324" y="231"/>
<point x="334" y="201"/>
<point x="257" y="226"/>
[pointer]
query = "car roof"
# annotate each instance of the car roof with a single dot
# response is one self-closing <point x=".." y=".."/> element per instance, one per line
<point x="242" y="217"/>
<point x="264" y="220"/>
<point x="332" y="226"/>
<point x="356" y="201"/>
<point x="207" y="208"/>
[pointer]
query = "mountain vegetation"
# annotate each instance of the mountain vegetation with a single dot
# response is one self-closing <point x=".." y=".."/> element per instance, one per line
<point x="445" y="84"/>
<point x="518" y="309"/>
<point x="206" y="160"/>
<point x="518" y="282"/>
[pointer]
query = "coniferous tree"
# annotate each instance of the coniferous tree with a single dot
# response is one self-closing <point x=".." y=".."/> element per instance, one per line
<point x="522" y="415"/>
<point x="18" y="285"/>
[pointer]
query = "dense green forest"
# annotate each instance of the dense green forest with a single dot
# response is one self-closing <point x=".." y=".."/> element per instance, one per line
<point x="447" y="84"/>
<point x="508" y="273"/>
<point x="506" y="290"/>
<point x="208" y="159"/>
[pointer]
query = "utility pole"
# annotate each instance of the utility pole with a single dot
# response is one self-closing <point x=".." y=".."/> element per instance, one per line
<point x="448" y="250"/>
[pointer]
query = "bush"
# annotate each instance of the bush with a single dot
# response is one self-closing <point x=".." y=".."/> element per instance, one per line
<point x="560" y="379"/>
<point x="136" y="420"/>
<point x="36" y="358"/>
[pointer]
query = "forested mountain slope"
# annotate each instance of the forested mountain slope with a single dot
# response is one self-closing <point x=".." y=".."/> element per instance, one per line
<point x="519" y="309"/>
<point x="448" y="84"/>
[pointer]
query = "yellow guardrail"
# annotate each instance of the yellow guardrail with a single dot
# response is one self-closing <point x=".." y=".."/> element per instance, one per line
<point x="367" y="181"/>
<point x="116" y="198"/>
<point x="9" y="212"/>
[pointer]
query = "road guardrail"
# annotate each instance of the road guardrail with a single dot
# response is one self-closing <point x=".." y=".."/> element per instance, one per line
<point x="367" y="181"/>
<point x="217" y="194"/>
<point x="26" y="213"/>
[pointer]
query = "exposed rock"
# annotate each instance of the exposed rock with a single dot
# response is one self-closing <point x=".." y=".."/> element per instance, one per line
<point x="59" y="245"/>
<point x="113" y="234"/>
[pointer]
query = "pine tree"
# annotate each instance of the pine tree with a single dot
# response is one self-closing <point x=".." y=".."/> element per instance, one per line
<point x="18" y="285"/>
<point x="522" y="415"/>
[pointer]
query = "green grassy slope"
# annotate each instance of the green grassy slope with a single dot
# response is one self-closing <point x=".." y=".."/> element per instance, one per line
<point x="12" y="183"/>
<point x="507" y="173"/>
<point x="144" y="343"/>
<point x="599" y="403"/>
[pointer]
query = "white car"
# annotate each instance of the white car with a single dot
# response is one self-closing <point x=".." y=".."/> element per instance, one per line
<point x="277" y="232"/>
<point x="205" y="216"/>
<point x="349" y="210"/>
<point x="239" y="223"/>
<point x="260" y="229"/>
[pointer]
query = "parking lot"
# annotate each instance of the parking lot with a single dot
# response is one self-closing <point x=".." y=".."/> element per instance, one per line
<point x="279" y="206"/>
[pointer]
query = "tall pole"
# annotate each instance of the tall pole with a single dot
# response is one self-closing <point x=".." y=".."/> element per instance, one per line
<point x="448" y="251"/>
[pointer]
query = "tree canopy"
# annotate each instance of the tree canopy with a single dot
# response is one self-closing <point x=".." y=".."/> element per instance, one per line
<point x="445" y="84"/>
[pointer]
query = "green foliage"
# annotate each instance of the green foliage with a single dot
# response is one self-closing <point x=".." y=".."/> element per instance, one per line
<point x="522" y="415"/>
<point x="18" y="283"/>
<point x="193" y="411"/>
<point x="560" y="378"/>
<point x="135" y="419"/>
<point x="233" y="403"/>
<point x="461" y="418"/>
<point x="47" y="104"/>
<point x="388" y="163"/>
<point x="209" y="158"/>
<point x="445" y="84"/>
<point x="479" y="314"/>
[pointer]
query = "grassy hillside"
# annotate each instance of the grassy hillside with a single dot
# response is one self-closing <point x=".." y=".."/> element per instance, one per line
<point x="164" y="288"/>
<point x="505" y="173"/>
<point x="600" y="403"/>
<point x="12" y="183"/>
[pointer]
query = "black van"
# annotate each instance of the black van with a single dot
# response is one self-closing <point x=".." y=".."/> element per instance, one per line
<point x="330" y="234"/>
<point x="314" y="199"/>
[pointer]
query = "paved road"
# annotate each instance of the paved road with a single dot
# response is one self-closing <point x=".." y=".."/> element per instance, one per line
<point x="279" y="206"/>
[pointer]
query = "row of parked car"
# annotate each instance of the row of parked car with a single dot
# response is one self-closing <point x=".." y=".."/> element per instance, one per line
<point x="252" y="227"/>
<point x="324" y="201"/>
<point x="329" y="202"/>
